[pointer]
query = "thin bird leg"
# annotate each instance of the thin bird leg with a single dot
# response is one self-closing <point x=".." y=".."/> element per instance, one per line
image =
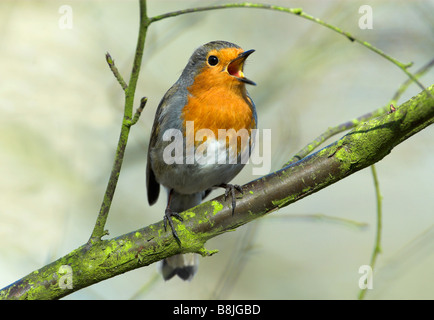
<point x="168" y="214"/>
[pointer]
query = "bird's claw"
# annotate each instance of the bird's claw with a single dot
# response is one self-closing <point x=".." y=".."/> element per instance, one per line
<point x="168" y="214"/>
<point x="230" y="188"/>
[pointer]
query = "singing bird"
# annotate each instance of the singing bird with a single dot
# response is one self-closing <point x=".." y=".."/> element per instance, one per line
<point x="210" y="96"/>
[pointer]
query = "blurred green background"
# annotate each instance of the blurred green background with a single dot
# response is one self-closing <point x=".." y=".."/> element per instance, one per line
<point x="60" y="116"/>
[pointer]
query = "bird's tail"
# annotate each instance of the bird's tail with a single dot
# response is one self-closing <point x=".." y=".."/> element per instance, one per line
<point x="183" y="265"/>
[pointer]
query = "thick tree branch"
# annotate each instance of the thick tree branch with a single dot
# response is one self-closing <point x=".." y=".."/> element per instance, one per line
<point x="366" y="144"/>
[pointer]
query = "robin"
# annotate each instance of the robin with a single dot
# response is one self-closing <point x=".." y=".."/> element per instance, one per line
<point x="210" y="96"/>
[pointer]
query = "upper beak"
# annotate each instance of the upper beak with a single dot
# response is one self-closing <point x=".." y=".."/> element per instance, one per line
<point x="235" y="67"/>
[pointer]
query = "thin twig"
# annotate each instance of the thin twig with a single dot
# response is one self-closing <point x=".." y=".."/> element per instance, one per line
<point x="377" y="245"/>
<point x="139" y="111"/>
<point x="115" y="71"/>
<point x="98" y="230"/>
<point x="355" y="122"/>
<point x="405" y="85"/>
<point x="301" y="13"/>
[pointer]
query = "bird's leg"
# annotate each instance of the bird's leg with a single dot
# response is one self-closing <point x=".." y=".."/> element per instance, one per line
<point x="168" y="214"/>
<point x="230" y="188"/>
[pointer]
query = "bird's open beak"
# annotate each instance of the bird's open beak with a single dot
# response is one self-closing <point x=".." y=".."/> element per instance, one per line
<point x="235" y="67"/>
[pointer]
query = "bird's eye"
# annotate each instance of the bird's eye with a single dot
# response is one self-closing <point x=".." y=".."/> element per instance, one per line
<point x="213" y="60"/>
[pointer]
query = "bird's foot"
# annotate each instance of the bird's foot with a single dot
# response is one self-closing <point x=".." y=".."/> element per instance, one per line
<point x="230" y="189"/>
<point x="168" y="214"/>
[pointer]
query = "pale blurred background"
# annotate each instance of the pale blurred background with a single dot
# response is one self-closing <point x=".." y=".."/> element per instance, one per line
<point x="60" y="115"/>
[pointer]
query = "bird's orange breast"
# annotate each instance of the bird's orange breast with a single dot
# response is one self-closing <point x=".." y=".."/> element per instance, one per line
<point x="218" y="101"/>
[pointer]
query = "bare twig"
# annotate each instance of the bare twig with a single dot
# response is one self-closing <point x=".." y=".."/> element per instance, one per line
<point x="377" y="245"/>
<point x="301" y="13"/>
<point x="98" y="230"/>
<point x="115" y="71"/>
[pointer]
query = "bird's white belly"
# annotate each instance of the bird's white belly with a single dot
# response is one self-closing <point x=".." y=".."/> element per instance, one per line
<point x="211" y="166"/>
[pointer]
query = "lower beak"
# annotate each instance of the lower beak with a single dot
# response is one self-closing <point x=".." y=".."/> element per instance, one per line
<point x="235" y="67"/>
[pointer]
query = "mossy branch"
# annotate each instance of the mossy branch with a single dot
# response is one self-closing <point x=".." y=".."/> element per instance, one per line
<point x="99" y="259"/>
<point x="365" y="145"/>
